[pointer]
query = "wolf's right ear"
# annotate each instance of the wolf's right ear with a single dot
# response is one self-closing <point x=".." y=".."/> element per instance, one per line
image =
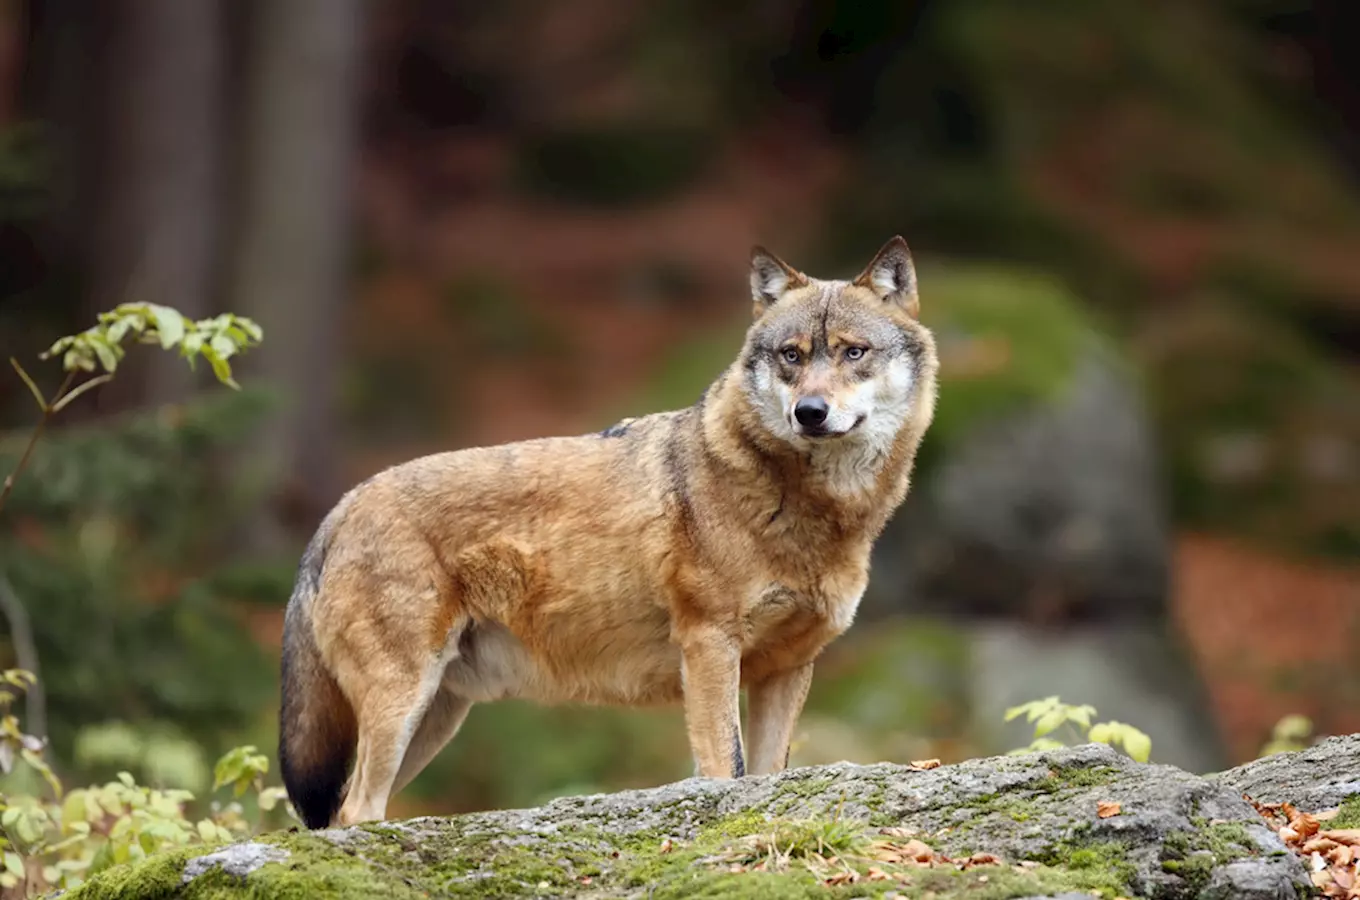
<point x="770" y="278"/>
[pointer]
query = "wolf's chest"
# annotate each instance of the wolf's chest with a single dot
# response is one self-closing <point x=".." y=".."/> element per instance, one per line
<point x="791" y="618"/>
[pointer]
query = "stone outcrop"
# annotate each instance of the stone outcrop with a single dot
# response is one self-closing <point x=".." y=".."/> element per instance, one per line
<point x="1066" y="823"/>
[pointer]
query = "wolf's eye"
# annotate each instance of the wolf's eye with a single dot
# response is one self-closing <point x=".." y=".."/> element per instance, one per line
<point x="854" y="353"/>
<point x="791" y="355"/>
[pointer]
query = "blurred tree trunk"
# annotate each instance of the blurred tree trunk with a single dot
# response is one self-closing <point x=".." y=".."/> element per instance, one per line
<point x="292" y="237"/>
<point x="131" y="91"/>
<point x="154" y="228"/>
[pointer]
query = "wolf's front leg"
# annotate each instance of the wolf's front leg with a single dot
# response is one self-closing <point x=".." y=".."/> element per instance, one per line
<point x="775" y="704"/>
<point x="710" y="670"/>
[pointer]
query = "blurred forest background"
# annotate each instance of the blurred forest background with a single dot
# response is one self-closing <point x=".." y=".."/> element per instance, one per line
<point x="1137" y="227"/>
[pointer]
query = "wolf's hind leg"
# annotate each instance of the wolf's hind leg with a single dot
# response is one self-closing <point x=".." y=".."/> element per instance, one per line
<point x="389" y="717"/>
<point x="440" y="723"/>
<point x="772" y="711"/>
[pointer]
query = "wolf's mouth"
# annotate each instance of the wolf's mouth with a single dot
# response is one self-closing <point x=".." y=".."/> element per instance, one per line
<point x="825" y="433"/>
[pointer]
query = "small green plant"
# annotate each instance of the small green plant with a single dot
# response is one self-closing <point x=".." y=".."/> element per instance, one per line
<point x="59" y="841"/>
<point x="1051" y="714"/>
<point x="101" y="347"/>
<point x="1293" y="732"/>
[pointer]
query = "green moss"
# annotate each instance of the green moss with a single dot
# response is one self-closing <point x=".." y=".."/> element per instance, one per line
<point x="1018" y="804"/>
<point x="1104" y="864"/>
<point x="1082" y="776"/>
<point x="315" y="868"/>
<point x="1009" y="804"/>
<point x="1009" y="339"/>
<point x="155" y="878"/>
<point x="1349" y="814"/>
<point x="1193" y="855"/>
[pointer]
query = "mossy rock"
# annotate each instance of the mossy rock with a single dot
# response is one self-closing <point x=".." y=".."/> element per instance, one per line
<point x="1176" y="836"/>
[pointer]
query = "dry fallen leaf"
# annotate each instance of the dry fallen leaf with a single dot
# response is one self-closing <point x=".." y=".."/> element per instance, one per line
<point x="1333" y="855"/>
<point x="1305" y="825"/>
<point x="1107" y="808"/>
<point x="917" y="851"/>
<point x="1349" y="836"/>
<point x="922" y="765"/>
<point x="897" y="832"/>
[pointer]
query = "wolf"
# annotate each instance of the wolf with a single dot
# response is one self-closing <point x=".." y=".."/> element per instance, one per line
<point x="675" y="558"/>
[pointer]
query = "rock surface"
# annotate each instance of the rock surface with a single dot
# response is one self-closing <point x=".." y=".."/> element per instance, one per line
<point x="1066" y="823"/>
<point x="1320" y="777"/>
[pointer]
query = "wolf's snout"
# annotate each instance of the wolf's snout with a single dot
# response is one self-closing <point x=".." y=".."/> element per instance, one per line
<point x="811" y="412"/>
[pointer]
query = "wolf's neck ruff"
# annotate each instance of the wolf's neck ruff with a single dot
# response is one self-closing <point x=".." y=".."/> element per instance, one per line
<point x="857" y="470"/>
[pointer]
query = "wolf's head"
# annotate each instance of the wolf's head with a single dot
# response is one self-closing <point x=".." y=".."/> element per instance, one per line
<point x="838" y="361"/>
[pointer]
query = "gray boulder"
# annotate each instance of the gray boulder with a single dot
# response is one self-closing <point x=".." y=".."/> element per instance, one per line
<point x="1051" y="513"/>
<point x="1053" y="824"/>
<point x="1320" y="777"/>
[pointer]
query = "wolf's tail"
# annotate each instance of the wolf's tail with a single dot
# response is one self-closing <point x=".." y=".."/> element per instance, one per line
<point x="317" y="730"/>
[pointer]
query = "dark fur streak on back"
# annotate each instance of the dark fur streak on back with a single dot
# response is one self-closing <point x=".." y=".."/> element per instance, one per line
<point x="618" y="429"/>
<point x="678" y="483"/>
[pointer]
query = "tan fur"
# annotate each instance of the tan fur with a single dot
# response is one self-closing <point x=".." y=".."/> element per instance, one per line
<point x="695" y="553"/>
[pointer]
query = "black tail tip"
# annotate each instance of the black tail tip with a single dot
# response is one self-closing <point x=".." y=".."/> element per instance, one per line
<point x="315" y="792"/>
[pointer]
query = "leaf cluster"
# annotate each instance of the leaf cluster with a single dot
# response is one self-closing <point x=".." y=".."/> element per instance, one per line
<point x="217" y="339"/>
<point x="1050" y="714"/>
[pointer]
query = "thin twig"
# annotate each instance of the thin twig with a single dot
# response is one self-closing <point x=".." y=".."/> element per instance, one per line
<point x="8" y="486"/>
<point x="26" y="655"/>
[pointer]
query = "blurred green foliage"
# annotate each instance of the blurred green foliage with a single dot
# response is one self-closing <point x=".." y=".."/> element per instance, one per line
<point x="52" y="839"/>
<point x="1051" y="714"/>
<point x="114" y="541"/>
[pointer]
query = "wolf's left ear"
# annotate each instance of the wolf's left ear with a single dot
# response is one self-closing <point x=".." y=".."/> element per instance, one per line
<point x="892" y="276"/>
<point x="771" y="277"/>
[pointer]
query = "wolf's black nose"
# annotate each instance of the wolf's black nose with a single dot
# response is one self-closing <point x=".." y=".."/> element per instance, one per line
<point x="810" y="411"/>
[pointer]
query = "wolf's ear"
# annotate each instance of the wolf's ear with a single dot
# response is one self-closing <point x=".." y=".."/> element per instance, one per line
<point x="771" y="277"/>
<point x="892" y="276"/>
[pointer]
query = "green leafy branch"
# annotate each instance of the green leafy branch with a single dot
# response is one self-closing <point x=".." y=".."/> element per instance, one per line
<point x="101" y="347"/>
<point x="1051" y="714"/>
<point x="60" y="842"/>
